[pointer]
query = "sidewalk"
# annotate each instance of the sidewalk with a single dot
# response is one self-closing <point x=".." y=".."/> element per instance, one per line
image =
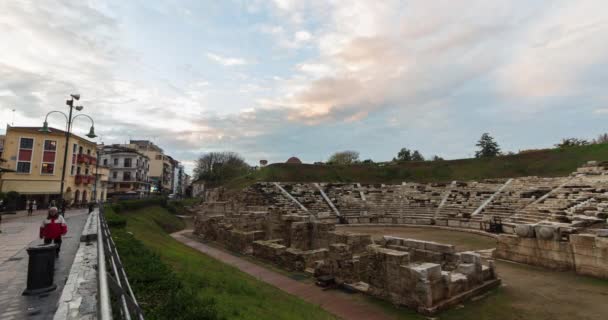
<point x="331" y="301"/>
<point x="19" y="232"/>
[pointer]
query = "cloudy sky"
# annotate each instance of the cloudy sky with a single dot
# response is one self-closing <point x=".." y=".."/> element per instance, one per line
<point x="272" y="79"/>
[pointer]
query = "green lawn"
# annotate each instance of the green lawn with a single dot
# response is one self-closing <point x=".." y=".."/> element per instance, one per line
<point x="544" y="163"/>
<point x="236" y="295"/>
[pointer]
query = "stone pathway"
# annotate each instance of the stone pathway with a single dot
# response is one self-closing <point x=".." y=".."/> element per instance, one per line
<point x="19" y="232"/>
<point x="331" y="301"/>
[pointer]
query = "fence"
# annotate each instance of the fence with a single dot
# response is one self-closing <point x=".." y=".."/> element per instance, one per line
<point x="114" y="288"/>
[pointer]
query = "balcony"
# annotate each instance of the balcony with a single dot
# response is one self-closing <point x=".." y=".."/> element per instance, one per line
<point x="84" y="179"/>
<point x="86" y="159"/>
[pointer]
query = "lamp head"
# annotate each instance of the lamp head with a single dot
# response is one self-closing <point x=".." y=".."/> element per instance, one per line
<point x="45" y="128"/>
<point x="75" y="96"/>
<point x="79" y="108"/>
<point x="92" y="134"/>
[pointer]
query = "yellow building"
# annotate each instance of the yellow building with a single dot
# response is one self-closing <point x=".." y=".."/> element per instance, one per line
<point x="37" y="159"/>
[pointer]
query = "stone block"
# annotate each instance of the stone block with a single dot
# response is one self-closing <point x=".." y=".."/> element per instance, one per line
<point x="438" y="247"/>
<point x="470" y="257"/>
<point x="583" y="240"/>
<point x="454" y="223"/>
<point x="602" y="233"/>
<point x="467" y="269"/>
<point x="546" y="232"/>
<point x="427" y="271"/>
<point x="524" y="230"/>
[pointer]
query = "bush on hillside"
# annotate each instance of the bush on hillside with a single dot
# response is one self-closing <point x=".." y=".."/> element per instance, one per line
<point x="128" y="205"/>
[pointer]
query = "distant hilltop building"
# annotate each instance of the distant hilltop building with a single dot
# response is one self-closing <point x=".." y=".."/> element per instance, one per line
<point x="294" y="160"/>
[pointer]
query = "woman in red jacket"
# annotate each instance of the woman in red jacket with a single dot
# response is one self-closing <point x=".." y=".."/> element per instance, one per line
<point x="53" y="227"/>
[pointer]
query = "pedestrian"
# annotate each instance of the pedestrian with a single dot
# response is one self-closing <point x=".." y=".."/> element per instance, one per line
<point x="52" y="204"/>
<point x="91" y="206"/>
<point x="30" y="207"/>
<point x="34" y="206"/>
<point x="53" y="227"/>
<point x="63" y="204"/>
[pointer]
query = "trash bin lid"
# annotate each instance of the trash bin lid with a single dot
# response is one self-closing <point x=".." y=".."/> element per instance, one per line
<point x="42" y="247"/>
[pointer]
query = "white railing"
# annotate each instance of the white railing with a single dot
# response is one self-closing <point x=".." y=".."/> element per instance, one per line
<point x="113" y="282"/>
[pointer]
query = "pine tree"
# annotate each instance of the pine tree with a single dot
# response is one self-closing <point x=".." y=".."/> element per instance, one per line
<point x="416" y="156"/>
<point x="404" y="155"/>
<point x="487" y="147"/>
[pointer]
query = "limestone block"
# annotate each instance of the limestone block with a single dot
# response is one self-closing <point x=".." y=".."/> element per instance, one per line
<point x="441" y="222"/>
<point x="602" y="233"/>
<point x="601" y="243"/>
<point x="427" y="271"/>
<point x="438" y="247"/>
<point x="546" y="232"/>
<point x="525" y="230"/>
<point x="470" y="257"/>
<point x="582" y="240"/>
<point x="467" y="269"/>
<point x="414" y="244"/>
<point x="454" y="223"/>
<point x="423" y="221"/>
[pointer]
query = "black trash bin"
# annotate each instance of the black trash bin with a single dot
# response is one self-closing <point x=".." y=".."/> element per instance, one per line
<point x="40" y="269"/>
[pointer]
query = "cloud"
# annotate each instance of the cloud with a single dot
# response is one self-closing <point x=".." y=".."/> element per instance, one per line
<point x="226" y="61"/>
<point x="331" y="75"/>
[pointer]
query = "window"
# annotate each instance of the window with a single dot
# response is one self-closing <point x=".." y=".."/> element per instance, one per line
<point x="105" y="162"/>
<point x="48" y="157"/>
<point x="159" y="157"/>
<point x="74" y="149"/>
<point x="114" y="174"/>
<point x="86" y="171"/>
<point x="79" y="150"/>
<point x="26" y="150"/>
<point x="127" y="162"/>
<point x="89" y="152"/>
<point x="126" y="176"/>
<point x="77" y="170"/>
<point x="115" y="161"/>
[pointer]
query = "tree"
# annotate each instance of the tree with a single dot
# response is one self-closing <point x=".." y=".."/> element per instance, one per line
<point x="602" y="138"/>
<point x="572" y="142"/>
<point x="368" y="161"/>
<point x="344" y="157"/>
<point x="436" y="158"/>
<point x="416" y="156"/>
<point x="404" y="155"/>
<point x="218" y="167"/>
<point x="487" y="147"/>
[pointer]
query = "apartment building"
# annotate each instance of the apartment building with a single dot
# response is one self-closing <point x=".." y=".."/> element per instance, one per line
<point x="37" y="160"/>
<point x="128" y="170"/>
<point x="162" y="166"/>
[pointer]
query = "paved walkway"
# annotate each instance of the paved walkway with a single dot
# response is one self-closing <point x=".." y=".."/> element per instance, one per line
<point x="331" y="301"/>
<point x="19" y="232"/>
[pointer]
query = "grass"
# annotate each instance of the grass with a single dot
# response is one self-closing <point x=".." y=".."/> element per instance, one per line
<point x="544" y="163"/>
<point x="235" y="295"/>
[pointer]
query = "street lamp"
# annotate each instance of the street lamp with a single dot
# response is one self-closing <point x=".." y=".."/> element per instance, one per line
<point x="69" y="120"/>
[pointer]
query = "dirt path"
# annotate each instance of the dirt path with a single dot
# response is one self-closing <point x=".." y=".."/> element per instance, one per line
<point x="331" y="301"/>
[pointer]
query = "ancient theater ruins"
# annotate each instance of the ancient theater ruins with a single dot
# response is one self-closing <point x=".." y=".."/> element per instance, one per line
<point x="557" y="223"/>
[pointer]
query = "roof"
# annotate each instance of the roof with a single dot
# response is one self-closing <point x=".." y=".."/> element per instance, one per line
<point x="54" y="131"/>
<point x="294" y="160"/>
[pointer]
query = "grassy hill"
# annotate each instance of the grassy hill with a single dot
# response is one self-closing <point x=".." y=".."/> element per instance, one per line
<point x="174" y="281"/>
<point x="544" y="163"/>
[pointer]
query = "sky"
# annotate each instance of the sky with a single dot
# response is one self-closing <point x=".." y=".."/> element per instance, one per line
<point x="282" y="78"/>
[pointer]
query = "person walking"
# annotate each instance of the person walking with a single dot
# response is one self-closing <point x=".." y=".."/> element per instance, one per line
<point x="30" y="207"/>
<point x="53" y="228"/>
<point x="34" y="206"/>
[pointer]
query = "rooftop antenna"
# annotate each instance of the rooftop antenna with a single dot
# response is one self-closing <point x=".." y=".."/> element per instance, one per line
<point x="13" y="123"/>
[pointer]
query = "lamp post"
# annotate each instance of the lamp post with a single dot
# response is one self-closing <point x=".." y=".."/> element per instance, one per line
<point x="69" y="120"/>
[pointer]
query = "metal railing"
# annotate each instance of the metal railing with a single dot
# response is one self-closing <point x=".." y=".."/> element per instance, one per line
<point x="114" y="287"/>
